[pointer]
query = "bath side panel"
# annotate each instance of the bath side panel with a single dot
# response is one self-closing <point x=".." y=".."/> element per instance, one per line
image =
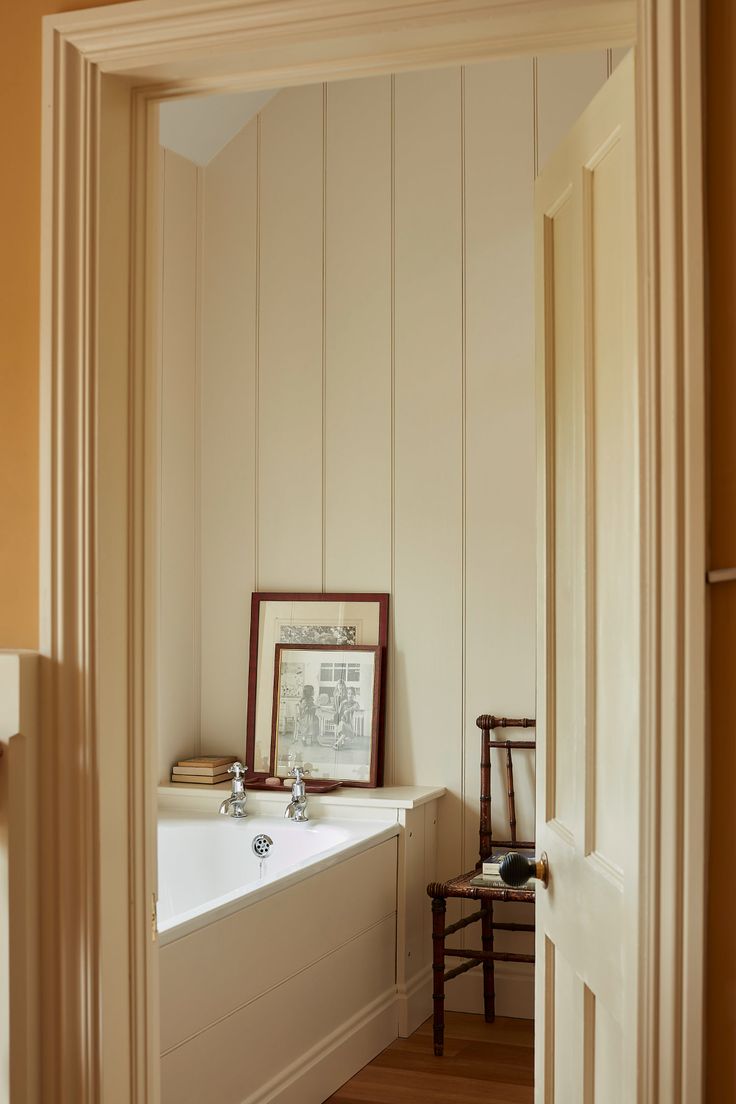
<point x="219" y="970"/>
<point x="299" y="1040"/>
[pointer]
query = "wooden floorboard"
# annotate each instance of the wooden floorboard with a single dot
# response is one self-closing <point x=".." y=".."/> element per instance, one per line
<point x="482" y="1064"/>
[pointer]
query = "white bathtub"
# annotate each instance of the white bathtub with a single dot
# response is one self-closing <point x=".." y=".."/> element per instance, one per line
<point x="207" y="868"/>
<point x="277" y="983"/>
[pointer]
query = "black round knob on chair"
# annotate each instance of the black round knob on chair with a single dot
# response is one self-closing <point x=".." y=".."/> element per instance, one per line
<point x="516" y="870"/>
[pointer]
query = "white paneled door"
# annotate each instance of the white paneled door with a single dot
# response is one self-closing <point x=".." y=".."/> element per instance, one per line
<point x="589" y="607"/>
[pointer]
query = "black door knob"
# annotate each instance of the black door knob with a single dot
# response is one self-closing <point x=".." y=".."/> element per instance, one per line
<point x="516" y="870"/>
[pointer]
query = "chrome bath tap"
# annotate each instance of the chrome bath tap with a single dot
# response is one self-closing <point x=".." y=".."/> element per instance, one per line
<point x="234" y="805"/>
<point x="297" y="807"/>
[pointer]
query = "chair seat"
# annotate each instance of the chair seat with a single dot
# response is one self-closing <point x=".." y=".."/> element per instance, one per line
<point x="461" y="887"/>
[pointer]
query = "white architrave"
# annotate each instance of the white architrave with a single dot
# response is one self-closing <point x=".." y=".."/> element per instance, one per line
<point x="104" y="70"/>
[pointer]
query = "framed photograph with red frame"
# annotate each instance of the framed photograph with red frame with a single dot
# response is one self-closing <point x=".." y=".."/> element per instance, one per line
<point x="339" y="620"/>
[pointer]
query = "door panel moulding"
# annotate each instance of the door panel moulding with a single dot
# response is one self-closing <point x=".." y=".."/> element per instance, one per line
<point x="105" y="71"/>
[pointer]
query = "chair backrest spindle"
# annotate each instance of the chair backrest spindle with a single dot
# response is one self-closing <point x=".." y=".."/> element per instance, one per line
<point x="488" y="723"/>
<point x="510" y="793"/>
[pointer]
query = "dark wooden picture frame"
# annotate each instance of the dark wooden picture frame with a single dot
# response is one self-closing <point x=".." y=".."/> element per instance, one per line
<point x="376" y="733"/>
<point x="259" y="601"/>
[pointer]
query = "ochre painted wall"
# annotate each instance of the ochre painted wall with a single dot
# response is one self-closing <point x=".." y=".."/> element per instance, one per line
<point x="20" y="112"/>
<point x="721" y="246"/>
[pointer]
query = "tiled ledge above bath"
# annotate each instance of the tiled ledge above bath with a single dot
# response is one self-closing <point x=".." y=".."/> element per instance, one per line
<point x="384" y="803"/>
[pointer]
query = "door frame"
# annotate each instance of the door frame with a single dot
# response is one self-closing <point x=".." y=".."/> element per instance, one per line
<point x="105" y="71"/>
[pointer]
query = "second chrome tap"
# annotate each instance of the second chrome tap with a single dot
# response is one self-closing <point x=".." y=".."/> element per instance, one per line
<point x="297" y="807"/>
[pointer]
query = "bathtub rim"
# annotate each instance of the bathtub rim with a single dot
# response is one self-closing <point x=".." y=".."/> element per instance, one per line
<point x="237" y="900"/>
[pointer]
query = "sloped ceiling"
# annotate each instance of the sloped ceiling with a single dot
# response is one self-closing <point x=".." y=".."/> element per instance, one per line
<point x="198" y="127"/>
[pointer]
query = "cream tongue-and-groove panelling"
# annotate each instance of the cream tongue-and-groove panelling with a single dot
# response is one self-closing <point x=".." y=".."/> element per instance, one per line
<point x="348" y="403"/>
<point x="179" y="668"/>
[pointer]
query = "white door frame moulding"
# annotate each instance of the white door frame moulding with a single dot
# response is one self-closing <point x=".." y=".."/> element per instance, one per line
<point x="104" y="72"/>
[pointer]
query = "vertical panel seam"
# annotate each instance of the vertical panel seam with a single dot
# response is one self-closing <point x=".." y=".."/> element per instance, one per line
<point x="257" y="370"/>
<point x="609" y="62"/>
<point x="392" y="368"/>
<point x="535" y="113"/>
<point x="463" y="465"/>
<point x="198" y="329"/>
<point x="162" y="380"/>
<point x="590" y="546"/>
<point x="324" y="335"/>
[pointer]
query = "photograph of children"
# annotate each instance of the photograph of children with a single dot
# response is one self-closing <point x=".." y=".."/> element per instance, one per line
<point x="337" y="620"/>
<point x="326" y="711"/>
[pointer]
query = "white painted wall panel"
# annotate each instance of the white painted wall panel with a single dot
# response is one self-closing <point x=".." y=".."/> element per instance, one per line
<point x="228" y="437"/>
<point x="500" y="454"/>
<point x="178" y="673"/>
<point x="428" y="476"/>
<point x="358" y="364"/>
<point x="500" y="511"/>
<point x="290" y="500"/>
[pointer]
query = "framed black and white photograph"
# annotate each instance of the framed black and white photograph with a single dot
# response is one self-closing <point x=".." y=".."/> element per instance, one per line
<point x="335" y="620"/>
<point x="327" y="712"/>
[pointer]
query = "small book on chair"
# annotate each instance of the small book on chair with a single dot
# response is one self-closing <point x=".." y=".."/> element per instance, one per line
<point x="489" y="873"/>
<point x="495" y="881"/>
<point x="491" y="864"/>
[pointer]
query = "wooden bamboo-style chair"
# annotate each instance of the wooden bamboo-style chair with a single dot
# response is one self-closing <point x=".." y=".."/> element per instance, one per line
<point x="461" y="886"/>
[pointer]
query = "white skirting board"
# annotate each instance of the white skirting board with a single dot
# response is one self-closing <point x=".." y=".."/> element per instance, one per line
<point x="514" y="991"/>
<point x="415" y="1002"/>
<point x="312" y="1077"/>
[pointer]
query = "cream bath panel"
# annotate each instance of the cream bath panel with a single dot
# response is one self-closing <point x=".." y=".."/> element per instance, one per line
<point x="229" y="529"/>
<point x="300" y="1039"/>
<point x="290" y="499"/>
<point x="216" y="971"/>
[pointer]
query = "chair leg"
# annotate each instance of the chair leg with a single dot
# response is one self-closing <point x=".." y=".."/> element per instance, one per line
<point x="439" y="908"/>
<point x="489" y="982"/>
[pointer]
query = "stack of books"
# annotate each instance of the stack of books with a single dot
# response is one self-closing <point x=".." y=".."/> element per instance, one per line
<point x="203" y="770"/>
<point x="490" y="878"/>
